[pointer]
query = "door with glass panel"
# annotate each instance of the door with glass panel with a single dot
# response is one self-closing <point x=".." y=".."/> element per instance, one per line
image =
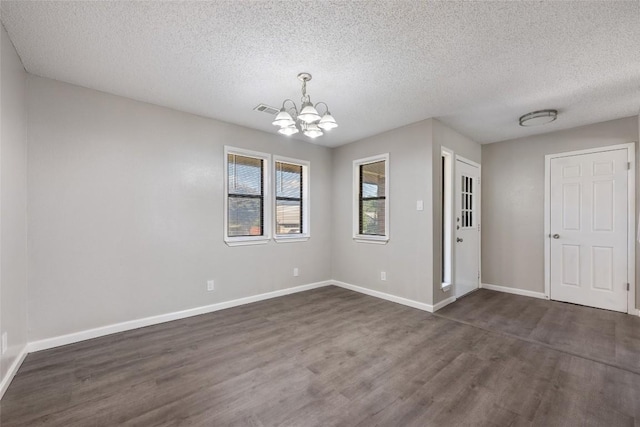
<point x="467" y="227"/>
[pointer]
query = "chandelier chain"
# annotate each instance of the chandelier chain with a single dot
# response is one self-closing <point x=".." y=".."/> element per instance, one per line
<point x="304" y="90"/>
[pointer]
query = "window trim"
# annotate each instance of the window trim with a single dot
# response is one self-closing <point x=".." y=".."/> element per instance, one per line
<point x="366" y="238"/>
<point x="448" y="208"/>
<point x="306" y="226"/>
<point x="266" y="205"/>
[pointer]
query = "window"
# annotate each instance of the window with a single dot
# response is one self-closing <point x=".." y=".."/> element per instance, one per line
<point x="246" y="207"/>
<point x="291" y="197"/>
<point x="467" y="202"/>
<point x="447" y="217"/>
<point x="371" y="199"/>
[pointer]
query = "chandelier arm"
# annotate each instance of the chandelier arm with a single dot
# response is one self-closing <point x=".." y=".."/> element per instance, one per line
<point x="326" y="107"/>
<point x="293" y="106"/>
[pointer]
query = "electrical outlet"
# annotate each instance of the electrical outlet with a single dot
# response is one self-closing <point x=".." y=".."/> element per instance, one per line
<point x="383" y="275"/>
<point x="296" y="272"/>
<point x="5" y="343"/>
<point x="210" y="285"/>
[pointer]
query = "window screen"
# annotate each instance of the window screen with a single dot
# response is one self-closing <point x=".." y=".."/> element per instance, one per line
<point x="289" y="198"/>
<point x="372" y="199"/>
<point x="246" y="196"/>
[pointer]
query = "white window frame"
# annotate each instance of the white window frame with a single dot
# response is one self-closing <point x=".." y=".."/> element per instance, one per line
<point x="447" y="219"/>
<point x="266" y="206"/>
<point x="306" y="229"/>
<point x="365" y="238"/>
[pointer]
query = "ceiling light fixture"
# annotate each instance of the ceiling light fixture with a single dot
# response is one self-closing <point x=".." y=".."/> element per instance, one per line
<point x="307" y="119"/>
<point x="536" y="118"/>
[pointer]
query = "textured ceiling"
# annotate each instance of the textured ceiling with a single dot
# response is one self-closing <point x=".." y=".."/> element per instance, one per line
<point x="379" y="65"/>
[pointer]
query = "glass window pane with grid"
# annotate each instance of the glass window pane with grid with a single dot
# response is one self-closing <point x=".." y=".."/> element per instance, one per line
<point x="372" y="199"/>
<point x="467" y="202"/>
<point x="289" y="198"/>
<point x="245" y="180"/>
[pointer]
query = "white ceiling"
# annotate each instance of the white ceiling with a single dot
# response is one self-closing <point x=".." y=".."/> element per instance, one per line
<point x="379" y="65"/>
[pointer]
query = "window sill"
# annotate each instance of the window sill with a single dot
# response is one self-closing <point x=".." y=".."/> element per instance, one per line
<point x="291" y="239"/>
<point x="247" y="242"/>
<point x="376" y="240"/>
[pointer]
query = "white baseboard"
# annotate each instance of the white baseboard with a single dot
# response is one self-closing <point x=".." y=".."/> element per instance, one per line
<point x="13" y="370"/>
<point x="516" y="291"/>
<point x="444" y="303"/>
<point x="388" y="297"/>
<point x="154" y="320"/>
<point x="88" y="334"/>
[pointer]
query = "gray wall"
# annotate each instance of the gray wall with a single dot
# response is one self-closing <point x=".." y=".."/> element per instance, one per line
<point x="407" y="257"/>
<point x="126" y="214"/>
<point x="444" y="136"/>
<point x="513" y="199"/>
<point x="125" y="204"/>
<point x="13" y="203"/>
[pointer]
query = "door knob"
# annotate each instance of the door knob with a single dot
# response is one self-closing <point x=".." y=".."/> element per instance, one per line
<point x="556" y="236"/>
<point x="458" y="239"/>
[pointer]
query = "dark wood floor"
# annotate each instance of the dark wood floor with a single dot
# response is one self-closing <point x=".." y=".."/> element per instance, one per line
<point x="600" y="335"/>
<point x="335" y="357"/>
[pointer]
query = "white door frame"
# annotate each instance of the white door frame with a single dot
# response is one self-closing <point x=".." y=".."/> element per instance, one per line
<point x="631" y="214"/>
<point x="479" y="214"/>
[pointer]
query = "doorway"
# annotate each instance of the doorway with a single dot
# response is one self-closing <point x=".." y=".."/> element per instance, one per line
<point x="467" y="226"/>
<point x="589" y="227"/>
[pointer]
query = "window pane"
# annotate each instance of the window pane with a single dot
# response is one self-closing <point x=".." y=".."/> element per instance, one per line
<point x="373" y="179"/>
<point x="372" y="217"/>
<point x="369" y="190"/>
<point x="245" y="216"/>
<point x="245" y="175"/>
<point x="288" y="180"/>
<point x="288" y="216"/>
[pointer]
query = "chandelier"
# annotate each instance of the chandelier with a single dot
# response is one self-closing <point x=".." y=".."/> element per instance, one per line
<point x="291" y="120"/>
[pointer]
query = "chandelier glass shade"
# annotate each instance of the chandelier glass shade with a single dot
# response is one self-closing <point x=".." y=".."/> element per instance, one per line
<point x="307" y="120"/>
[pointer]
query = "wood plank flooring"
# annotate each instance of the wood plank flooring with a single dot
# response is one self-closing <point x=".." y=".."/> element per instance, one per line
<point x="600" y="335"/>
<point x="332" y="357"/>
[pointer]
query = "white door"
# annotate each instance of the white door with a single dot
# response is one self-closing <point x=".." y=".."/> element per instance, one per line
<point x="588" y="226"/>
<point x="467" y="230"/>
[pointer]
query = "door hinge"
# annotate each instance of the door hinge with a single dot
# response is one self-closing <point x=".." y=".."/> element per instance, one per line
<point x="628" y="286"/>
<point x="628" y="166"/>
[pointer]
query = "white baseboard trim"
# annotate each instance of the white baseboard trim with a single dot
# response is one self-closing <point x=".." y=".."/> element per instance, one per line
<point x="444" y="303"/>
<point x="13" y="370"/>
<point x="388" y="297"/>
<point x="88" y="334"/>
<point x="515" y="291"/>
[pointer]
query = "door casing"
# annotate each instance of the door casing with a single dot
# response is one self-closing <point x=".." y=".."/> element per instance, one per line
<point x="631" y="202"/>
